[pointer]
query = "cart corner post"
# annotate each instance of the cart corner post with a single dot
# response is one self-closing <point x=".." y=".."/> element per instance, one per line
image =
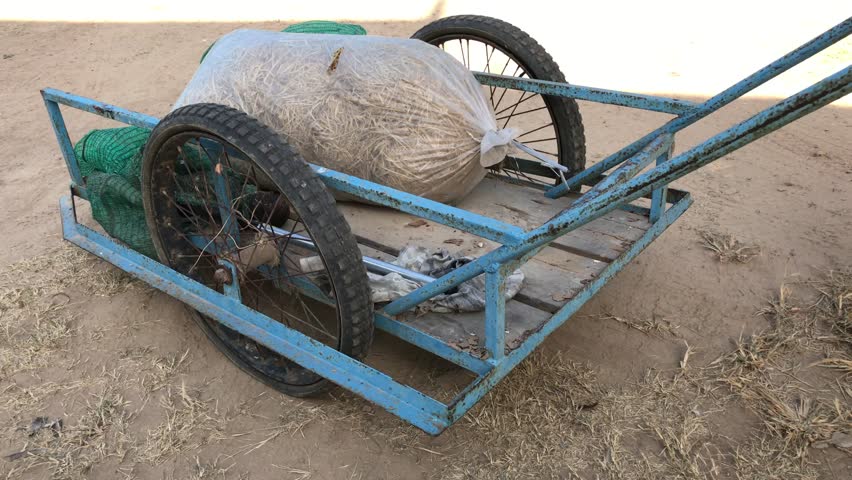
<point x="495" y="311"/>
<point x="659" y="194"/>
<point x="64" y="140"/>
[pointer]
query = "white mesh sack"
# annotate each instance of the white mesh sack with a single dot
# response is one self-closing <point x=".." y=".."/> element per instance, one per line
<point x="398" y="112"/>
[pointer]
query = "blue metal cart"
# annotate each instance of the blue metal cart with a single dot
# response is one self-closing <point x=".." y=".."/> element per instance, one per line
<point x="570" y="237"/>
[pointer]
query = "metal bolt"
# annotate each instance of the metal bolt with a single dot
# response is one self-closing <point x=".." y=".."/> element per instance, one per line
<point x="222" y="276"/>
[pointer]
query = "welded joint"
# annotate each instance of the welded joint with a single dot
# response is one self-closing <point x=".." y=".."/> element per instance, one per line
<point x="226" y="276"/>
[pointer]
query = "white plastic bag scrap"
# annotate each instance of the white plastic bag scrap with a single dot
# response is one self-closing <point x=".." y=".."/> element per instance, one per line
<point x="469" y="297"/>
<point x="398" y="112"/>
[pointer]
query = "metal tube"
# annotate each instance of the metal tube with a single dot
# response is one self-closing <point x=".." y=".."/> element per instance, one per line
<point x="630" y="168"/>
<point x="600" y="95"/>
<point x="372" y="264"/>
<point x="377" y="266"/>
<point x="809" y="49"/>
<point x="65" y="145"/>
<point x="495" y="312"/>
<point x="479" y="225"/>
<point x="100" y="108"/>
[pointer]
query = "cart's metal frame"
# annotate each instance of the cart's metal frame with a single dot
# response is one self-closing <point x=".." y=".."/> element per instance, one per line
<point x="623" y="185"/>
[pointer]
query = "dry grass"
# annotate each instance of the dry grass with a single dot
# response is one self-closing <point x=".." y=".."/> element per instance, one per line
<point x="295" y="473"/>
<point x="35" y="319"/>
<point x="551" y="418"/>
<point x="835" y="302"/>
<point x="766" y="372"/>
<point x="46" y="275"/>
<point x="764" y="457"/>
<point x="210" y="470"/>
<point x="729" y="249"/>
<point x="656" y="326"/>
<point x="541" y="422"/>
<point x="18" y="399"/>
<point x="162" y="370"/>
<point x="798" y="422"/>
<point x="188" y="425"/>
<point x="71" y="452"/>
<point x="31" y="336"/>
<point x="790" y="328"/>
<point x="686" y="447"/>
<point x="843" y="364"/>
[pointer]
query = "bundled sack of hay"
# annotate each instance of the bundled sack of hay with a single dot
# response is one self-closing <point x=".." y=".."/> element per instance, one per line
<point x="398" y="112"/>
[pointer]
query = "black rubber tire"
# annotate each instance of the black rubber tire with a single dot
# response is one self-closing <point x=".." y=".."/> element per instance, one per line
<point x="535" y="60"/>
<point x="308" y="196"/>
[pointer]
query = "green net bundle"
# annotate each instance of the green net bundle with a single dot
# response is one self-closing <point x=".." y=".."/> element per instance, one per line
<point x="111" y="163"/>
<point x="314" y="26"/>
<point x="324" y="26"/>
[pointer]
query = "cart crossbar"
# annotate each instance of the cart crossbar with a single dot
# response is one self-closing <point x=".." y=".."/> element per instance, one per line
<point x="612" y="97"/>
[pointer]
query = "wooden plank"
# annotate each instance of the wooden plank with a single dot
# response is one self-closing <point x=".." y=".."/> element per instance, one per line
<point x="552" y="277"/>
<point x="604" y="238"/>
<point x="466" y="331"/>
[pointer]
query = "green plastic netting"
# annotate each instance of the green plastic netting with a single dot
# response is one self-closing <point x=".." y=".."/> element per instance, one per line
<point x="324" y="26"/>
<point x="111" y="163"/>
<point x="314" y="26"/>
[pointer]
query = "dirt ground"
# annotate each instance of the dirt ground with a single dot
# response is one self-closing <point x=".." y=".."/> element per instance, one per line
<point x="684" y="366"/>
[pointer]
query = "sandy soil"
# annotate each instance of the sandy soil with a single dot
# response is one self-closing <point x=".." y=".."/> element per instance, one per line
<point x="790" y="194"/>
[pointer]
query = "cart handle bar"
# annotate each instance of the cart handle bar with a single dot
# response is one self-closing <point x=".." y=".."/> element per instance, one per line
<point x="687" y="117"/>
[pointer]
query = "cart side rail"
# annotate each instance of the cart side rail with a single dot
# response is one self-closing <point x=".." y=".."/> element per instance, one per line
<point x="641" y="101"/>
<point x="480" y="225"/>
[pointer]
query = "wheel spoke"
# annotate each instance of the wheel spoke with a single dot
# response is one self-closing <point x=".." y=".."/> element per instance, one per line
<point x="546" y="153"/>
<point x="488" y="68"/>
<point x="539" y="140"/>
<point x="515" y="108"/>
<point x="506" y="89"/>
<point x="533" y="131"/>
<point x="223" y="222"/>
<point x="518" y="102"/>
<point x="260" y="291"/>
<point x="521" y="113"/>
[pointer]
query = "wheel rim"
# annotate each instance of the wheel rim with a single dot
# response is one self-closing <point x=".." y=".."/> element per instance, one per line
<point x="223" y="222"/>
<point x="526" y="111"/>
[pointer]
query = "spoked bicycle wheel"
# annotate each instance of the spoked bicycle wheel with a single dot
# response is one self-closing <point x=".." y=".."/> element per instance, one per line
<point x="232" y="206"/>
<point x="550" y="125"/>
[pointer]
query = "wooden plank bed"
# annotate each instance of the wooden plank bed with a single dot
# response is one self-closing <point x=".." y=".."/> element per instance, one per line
<point x="553" y="276"/>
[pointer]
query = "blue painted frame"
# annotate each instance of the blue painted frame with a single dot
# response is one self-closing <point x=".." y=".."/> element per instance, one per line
<point x="623" y="185"/>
